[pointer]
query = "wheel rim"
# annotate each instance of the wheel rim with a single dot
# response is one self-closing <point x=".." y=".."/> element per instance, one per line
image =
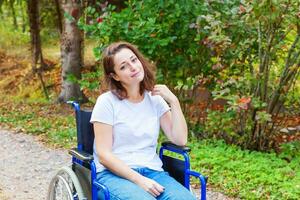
<point x="63" y="186"/>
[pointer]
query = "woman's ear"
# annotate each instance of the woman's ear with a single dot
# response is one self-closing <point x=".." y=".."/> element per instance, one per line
<point x="114" y="76"/>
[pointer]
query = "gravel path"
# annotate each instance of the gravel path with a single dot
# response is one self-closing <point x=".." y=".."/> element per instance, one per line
<point x="27" y="166"/>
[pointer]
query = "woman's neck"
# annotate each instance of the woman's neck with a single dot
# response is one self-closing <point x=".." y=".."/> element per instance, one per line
<point x="134" y="94"/>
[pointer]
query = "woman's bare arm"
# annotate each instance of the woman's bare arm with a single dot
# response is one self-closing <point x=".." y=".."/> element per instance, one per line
<point x="172" y="122"/>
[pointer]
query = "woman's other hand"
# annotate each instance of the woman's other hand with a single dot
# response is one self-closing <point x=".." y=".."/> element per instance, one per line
<point x="165" y="93"/>
<point x="172" y="122"/>
<point x="150" y="186"/>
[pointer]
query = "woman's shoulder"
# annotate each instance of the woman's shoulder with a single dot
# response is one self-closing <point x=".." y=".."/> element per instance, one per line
<point x="107" y="96"/>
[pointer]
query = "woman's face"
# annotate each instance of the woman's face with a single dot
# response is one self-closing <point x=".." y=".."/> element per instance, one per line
<point x="128" y="68"/>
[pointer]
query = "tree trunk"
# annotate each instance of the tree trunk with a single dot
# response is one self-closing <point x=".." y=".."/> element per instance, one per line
<point x="59" y="17"/>
<point x="36" y="48"/>
<point x="288" y="75"/>
<point x="71" y="53"/>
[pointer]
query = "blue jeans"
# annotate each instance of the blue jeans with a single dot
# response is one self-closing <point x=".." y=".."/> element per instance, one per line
<point x="123" y="189"/>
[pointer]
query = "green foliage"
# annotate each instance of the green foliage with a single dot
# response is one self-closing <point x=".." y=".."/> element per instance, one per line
<point x="219" y="123"/>
<point x="246" y="174"/>
<point x="48" y="20"/>
<point x="292" y="102"/>
<point x="222" y="29"/>
<point x="11" y="39"/>
<point x="90" y="80"/>
<point x="256" y="53"/>
<point x="290" y="150"/>
<point x="161" y="29"/>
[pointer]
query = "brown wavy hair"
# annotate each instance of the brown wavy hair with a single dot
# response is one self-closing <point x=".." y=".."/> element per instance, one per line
<point x="108" y="64"/>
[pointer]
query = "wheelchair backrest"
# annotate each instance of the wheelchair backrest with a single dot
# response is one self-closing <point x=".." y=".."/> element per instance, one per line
<point x="85" y="131"/>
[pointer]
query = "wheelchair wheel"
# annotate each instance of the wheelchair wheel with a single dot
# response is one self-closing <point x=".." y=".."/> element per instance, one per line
<point x="65" y="186"/>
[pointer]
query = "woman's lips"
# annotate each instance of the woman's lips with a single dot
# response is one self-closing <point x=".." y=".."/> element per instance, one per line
<point x="135" y="74"/>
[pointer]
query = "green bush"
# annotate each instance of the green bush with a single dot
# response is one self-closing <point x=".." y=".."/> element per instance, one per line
<point x="163" y="30"/>
<point x="290" y="150"/>
<point x="256" y="54"/>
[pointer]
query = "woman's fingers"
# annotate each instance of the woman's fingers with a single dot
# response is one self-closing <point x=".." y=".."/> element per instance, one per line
<point x="150" y="186"/>
<point x="158" y="90"/>
<point x="156" y="190"/>
<point x="159" y="188"/>
<point x="164" y="92"/>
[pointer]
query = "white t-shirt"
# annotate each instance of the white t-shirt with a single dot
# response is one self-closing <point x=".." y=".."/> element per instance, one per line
<point x="135" y="128"/>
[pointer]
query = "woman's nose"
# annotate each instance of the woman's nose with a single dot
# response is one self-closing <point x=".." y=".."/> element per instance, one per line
<point x="132" y="67"/>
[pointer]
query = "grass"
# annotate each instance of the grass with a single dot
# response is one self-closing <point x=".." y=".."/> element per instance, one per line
<point x="246" y="174"/>
<point x="54" y="124"/>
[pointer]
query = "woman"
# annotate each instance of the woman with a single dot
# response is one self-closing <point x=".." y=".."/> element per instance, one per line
<point x="126" y="123"/>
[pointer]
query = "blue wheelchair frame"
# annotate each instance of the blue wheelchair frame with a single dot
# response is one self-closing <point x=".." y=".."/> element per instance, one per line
<point x="172" y="165"/>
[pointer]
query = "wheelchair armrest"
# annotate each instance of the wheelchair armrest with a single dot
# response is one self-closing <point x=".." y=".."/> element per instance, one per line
<point x="81" y="155"/>
<point x="74" y="104"/>
<point x="170" y="145"/>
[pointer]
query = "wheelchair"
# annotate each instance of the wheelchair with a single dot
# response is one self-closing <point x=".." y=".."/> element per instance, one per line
<point x="78" y="181"/>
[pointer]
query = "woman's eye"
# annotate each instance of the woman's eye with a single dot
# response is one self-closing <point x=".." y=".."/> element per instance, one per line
<point x="122" y="67"/>
<point x="134" y="60"/>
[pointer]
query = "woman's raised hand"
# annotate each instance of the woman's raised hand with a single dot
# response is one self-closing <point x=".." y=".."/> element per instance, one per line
<point x="165" y="93"/>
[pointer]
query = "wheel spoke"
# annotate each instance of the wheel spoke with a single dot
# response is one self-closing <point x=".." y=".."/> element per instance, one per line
<point x="64" y="186"/>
